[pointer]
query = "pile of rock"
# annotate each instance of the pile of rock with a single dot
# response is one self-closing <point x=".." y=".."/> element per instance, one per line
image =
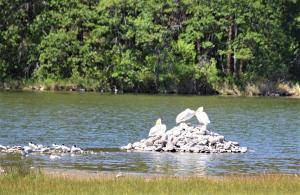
<point x="38" y="148"/>
<point x="187" y="138"/>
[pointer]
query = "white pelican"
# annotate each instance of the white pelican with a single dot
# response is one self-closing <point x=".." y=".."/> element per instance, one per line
<point x="75" y="149"/>
<point x="158" y="128"/>
<point x="202" y="116"/>
<point x="187" y="114"/>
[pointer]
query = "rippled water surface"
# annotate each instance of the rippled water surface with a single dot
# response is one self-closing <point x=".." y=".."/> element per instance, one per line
<point x="269" y="127"/>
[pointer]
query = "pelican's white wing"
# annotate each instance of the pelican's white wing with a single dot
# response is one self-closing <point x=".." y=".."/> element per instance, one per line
<point x="202" y="118"/>
<point x="154" y="130"/>
<point x="157" y="130"/>
<point x="187" y="114"/>
<point x="163" y="128"/>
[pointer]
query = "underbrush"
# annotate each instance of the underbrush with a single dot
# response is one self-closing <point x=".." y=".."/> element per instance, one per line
<point x="228" y="87"/>
<point x="260" y="89"/>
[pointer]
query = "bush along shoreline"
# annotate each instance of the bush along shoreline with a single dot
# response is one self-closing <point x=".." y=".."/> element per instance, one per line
<point x="262" y="89"/>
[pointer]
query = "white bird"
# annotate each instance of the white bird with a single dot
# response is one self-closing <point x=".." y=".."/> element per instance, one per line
<point x="119" y="175"/>
<point x="55" y="145"/>
<point x="158" y="128"/>
<point x="32" y="146"/>
<point x="2" y="170"/>
<point x="185" y="115"/>
<point x="3" y="147"/>
<point x="27" y="149"/>
<point x="53" y="157"/>
<point x="65" y="148"/>
<point x="75" y="149"/>
<point x="202" y="116"/>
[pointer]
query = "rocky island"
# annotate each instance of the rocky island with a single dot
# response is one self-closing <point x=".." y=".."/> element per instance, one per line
<point x="186" y="137"/>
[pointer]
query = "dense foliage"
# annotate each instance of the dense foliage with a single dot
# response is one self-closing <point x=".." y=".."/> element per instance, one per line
<point x="185" y="46"/>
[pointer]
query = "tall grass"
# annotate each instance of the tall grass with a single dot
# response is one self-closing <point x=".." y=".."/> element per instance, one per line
<point x="39" y="183"/>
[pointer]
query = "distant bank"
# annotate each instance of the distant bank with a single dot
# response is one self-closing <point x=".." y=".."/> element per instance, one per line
<point x="258" y="89"/>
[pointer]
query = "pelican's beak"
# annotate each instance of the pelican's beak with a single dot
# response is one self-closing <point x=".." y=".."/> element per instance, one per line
<point x="200" y="109"/>
<point x="158" y="122"/>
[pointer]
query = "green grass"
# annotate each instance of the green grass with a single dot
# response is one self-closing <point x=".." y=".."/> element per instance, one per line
<point x="38" y="183"/>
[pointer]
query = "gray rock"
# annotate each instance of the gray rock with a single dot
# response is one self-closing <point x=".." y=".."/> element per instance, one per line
<point x="204" y="137"/>
<point x="139" y="148"/>
<point x="203" y="148"/>
<point x="219" y="145"/>
<point x="175" y="140"/>
<point x="160" y="141"/>
<point x="191" y="144"/>
<point x="227" y="145"/>
<point x="149" y="142"/>
<point x="158" y="147"/>
<point x="243" y="149"/>
<point x="183" y="148"/>
<point x="189" y="135"/>
<point x="194" y="149"/>
<point x="164" y="137"/>
<point x="213" y="139"/>
<point x="137" y="145"/>
<point x="169" y="147"/>
<point x="220" y="138"/>
<point x="180" y="143"/>
<point x="202" y="132"/>
<point x="176" y="132"/>
<point x="185" y="138"/>
<point x="150" y="148"/>
<point x="202" y="142"/>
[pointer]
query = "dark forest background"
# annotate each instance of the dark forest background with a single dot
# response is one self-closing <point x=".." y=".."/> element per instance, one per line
<point x="173" y="46"/>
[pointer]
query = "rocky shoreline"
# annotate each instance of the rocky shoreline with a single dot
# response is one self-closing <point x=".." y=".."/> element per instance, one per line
<point x="40" y="149"/>
<point x="187" y="138"/>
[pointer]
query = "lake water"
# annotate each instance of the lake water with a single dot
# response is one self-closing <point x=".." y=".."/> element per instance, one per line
<point x="269" y="127"/>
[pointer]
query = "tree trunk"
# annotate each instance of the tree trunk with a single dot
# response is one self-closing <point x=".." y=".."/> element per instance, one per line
<point x="230" y="65"/>
<point x="241" y="67"/>
<point x="235" y="71"/>
<point x="198" y="46"/>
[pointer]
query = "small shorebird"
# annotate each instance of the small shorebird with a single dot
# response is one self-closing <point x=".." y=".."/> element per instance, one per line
<point x="53" y="157"/>
<point x="75" y="149"/>
<point x="119" y="175"/>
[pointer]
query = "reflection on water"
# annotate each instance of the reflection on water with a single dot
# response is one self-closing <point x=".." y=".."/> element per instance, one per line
<point x="270" y="127"/>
